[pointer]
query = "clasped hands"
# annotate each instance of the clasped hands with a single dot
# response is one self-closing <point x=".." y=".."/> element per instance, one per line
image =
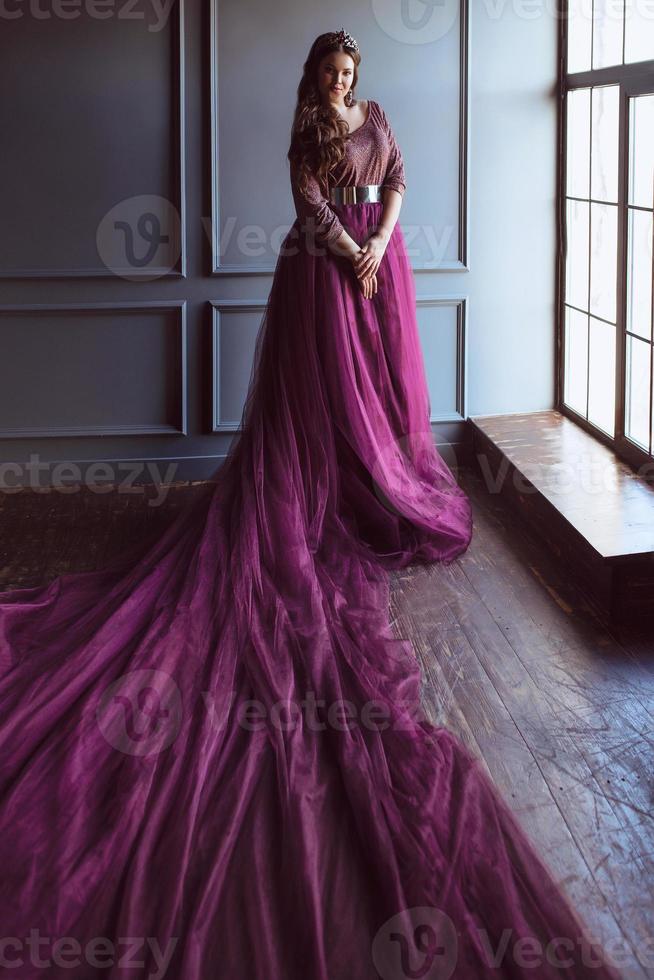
<point x="367" y="260"/>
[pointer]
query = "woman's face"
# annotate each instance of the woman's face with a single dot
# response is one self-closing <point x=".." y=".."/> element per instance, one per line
<point x="335" y="76"/>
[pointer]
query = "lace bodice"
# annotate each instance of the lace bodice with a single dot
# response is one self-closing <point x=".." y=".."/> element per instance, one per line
<point x="372" y="156"/>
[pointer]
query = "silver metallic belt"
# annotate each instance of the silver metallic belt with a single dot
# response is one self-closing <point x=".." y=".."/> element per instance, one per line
<point x="355" y="195"/>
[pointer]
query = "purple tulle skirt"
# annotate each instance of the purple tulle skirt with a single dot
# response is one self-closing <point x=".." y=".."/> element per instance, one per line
<point x="214" y="764"/>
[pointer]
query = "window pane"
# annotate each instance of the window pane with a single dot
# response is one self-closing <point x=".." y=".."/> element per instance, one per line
<point x="578" y="142"/>
<point x="639" y="32"/>
<point x="607" y="32"/>
<point x="603" y="259"/>
<point x="579" y="35"/>
<point x="641" y="151"/>
<point x="639" y="272"/>
<point x="604" y="144"/>
<point x="637" y="391"/>
<point x="576" y="285"/>
<point x="601" y="376"/>
<point x="576" y="360"/>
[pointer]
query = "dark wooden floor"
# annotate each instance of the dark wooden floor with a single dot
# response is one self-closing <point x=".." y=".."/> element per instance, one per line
<point x="47" y="533"/>
<point x="514" y="661"/>
<point x="562" y="714"/>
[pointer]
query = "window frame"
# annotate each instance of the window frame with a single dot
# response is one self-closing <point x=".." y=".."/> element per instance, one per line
<point x="636" y="78"/>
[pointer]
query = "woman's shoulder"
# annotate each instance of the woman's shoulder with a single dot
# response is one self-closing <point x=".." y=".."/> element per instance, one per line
<point x="376" y="109"/>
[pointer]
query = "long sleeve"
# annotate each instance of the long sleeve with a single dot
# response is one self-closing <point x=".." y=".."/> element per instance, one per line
<point x="395" y="177"/>
<point x="314" y="210"/>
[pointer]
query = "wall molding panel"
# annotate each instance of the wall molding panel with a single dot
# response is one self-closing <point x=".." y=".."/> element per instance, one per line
<point x="178" y="185"/>
<point x="461" y="264"/>
<point x="119" y="311"/>
<point x="460" y="304"/>
<point x="258" y="306"/>
<point x="218" y="308"/>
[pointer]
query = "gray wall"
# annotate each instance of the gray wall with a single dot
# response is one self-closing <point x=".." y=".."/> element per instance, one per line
<point x="168" y="135"/>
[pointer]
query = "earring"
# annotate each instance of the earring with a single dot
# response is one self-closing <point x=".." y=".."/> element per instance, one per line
<point x="349" y="98"/>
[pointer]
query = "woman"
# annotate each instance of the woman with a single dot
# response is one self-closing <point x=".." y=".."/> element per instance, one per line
<point x="213" y="760"/>
<point x="404" y="498"/>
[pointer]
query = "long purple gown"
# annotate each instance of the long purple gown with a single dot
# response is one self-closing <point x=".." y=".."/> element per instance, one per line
<point x="213" y="761"/>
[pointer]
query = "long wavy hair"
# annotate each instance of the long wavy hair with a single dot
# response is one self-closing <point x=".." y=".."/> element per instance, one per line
<point x="319" y="132"/>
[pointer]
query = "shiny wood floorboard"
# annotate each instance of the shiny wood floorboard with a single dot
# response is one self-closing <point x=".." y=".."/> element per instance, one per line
<point x="562" y="714"/>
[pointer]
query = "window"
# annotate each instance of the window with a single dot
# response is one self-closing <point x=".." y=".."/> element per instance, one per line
<point x="606" y="369"/>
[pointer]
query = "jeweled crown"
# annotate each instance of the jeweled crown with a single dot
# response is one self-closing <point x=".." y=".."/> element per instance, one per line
<point x="342" y="37"/>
